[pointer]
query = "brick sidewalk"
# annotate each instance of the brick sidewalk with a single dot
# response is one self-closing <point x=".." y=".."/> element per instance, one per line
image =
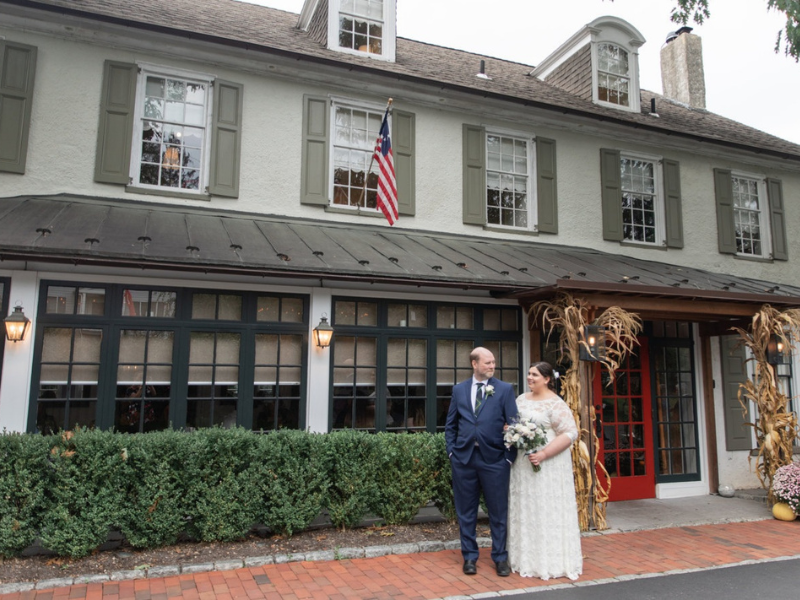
<point x="431" y="575"/>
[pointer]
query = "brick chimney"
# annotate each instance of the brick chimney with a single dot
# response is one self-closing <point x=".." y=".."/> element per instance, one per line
<point x="682" y="76"/>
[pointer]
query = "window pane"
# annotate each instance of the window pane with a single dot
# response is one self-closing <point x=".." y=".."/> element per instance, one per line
<point x="204" y="306"/>
<point x="292" y="310"/>
<point x="267" y="308"/>
<point x="60" y="300"/>
<point x="230" y="307"/>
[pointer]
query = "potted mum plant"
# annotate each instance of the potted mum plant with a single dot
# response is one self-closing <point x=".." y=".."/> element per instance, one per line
<point x="786" y="490"/>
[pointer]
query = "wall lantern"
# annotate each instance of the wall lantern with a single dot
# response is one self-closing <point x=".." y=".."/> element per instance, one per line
<point x="323" y="332"/>
<point x="593" y="344"/>
<point x="777" y="351"/>
<point x="16" y="325"/>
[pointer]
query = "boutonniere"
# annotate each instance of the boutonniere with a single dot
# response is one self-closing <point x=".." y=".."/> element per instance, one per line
<point x="490" y="390"/>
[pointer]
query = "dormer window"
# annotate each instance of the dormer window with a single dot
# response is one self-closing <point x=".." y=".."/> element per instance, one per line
<point x="613" y="75"/>
<point x="599" y="63"/>
<point x="361" y="25"/>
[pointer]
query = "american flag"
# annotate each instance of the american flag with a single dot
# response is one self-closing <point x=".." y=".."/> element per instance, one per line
<point x="387" y="186"/>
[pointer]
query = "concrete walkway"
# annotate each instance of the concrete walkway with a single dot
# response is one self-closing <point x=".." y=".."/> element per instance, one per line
<point x="646" y="538"/>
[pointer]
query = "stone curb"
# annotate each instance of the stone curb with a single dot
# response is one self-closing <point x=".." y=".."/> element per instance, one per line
<point x="249" y="562"/>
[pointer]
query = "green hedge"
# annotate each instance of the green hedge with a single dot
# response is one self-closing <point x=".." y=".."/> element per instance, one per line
<point x="69" y="490"/>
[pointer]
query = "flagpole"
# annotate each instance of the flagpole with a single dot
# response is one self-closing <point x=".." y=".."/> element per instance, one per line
<point x="372" y="160"/>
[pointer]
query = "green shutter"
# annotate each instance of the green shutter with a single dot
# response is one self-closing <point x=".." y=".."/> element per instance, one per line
<point x="734" y="373"/>
<point x="780" y="248"/>
<point x="546" y="186"/>
<point x="474" y="177"/>
<point x="723" y="189"/>
<point x="611" y="193"/>
<point x="672" y="199"/>
<point x="113" y="159"/>
<point x="17" y="75"/>
<point x="226" y="139"/>
<point x="314" y="170"/>
<point x="404" y="166"/>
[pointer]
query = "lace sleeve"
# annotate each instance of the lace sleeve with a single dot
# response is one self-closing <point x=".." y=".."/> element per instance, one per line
<point x="562" y="420"/>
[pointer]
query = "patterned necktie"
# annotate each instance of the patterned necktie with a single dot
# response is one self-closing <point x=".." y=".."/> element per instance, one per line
<point x="478" y="397"/>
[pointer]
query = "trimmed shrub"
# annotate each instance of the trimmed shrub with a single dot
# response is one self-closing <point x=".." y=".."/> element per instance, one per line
<point x="406" y="474"/>
<point x="155" y="509"/>
<point x="353" y="459"/>
<point x="291" y="471"/>
<point x="23" y="471"/>
<point x="86" y="490"/>
<point x="443" y="480"/>
<point x="222" y="498"/>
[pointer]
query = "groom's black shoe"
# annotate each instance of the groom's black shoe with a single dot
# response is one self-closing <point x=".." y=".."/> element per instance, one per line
<point x="470" y="568"/>
<point x="503" y="570"/>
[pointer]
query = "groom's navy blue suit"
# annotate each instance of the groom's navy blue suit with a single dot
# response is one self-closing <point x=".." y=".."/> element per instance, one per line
<point x="480" y="461"/>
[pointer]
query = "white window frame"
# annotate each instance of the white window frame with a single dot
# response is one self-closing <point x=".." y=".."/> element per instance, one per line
<point x="616" y="37"/>
<point x="373" y="107"/>
<point x="389" y="32"/>
<point x="763" y="214"/>
<point x="146" y="70"/>
<point x="660" y="208"/>
<point x="532" y="198"/>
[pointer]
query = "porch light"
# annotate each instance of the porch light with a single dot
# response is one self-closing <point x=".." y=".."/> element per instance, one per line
<point x="777" y="351"/>
<point x="16" y="325"/>
<point x="323" y="332"/>
<point x="593" y="345"/>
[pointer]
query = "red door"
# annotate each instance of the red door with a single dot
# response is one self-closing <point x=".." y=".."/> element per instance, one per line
<point x="626" y="442"/>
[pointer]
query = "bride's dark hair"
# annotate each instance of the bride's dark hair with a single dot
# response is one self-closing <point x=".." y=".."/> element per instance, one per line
<point x="546" y="370"/>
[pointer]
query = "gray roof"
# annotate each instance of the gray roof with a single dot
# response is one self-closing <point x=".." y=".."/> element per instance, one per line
<point x="98" y="231"/>
<point x="273" y="31"/>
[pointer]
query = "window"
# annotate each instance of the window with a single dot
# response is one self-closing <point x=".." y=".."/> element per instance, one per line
<point x="748" y="215"/>
<point x="354" y="133"/>
<point x="675" y="415"/>
<point x="361" y="25"/>
<point x="168" y="131"/>
<point x="338" y="140"/>
<point x="142" y="359"/>
<point x="613" y="75"/>
<point x="508" y="169"/>
<point x="509" y="180"/>
<point x="364" y="27"/>
<point x="172" y="127"/>
<point x="641" y="201"/>
<point x="394" y="364"/>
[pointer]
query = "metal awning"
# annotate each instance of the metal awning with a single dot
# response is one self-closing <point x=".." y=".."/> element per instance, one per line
<point x="100" y="231"/>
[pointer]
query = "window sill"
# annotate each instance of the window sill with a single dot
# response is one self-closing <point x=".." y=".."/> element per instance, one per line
<point x="357" y="212"/>
<point x="630" y="244"/>
<point x="493" y="229"/>
<point x="761" y="259"/>
<point x="168" y="192"/>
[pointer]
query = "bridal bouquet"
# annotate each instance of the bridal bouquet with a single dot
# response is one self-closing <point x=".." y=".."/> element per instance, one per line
<point x="527" y="435"/>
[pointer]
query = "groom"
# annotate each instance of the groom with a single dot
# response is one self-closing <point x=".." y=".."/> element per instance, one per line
<point x="479" y="409"/>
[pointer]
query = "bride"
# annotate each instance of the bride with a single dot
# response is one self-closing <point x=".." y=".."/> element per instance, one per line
<point x="544" y="538"/>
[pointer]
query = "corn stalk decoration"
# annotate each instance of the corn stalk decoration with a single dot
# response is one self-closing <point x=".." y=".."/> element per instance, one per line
<point x="569" y="316"/>
<point x="776" y="425"/>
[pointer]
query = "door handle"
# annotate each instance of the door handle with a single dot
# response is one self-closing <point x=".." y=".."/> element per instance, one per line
<point x="598" y="421"/>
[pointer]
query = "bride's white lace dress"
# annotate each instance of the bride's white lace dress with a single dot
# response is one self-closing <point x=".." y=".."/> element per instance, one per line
<point x="544" y="537"/>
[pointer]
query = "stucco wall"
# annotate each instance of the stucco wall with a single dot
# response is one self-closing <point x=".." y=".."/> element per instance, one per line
<point x="65" y="120"/>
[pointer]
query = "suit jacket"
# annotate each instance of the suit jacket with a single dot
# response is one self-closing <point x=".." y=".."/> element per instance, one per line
<point x="463" y="428"/>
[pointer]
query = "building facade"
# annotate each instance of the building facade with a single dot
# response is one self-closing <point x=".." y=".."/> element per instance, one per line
<point x="186" y="193"/>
